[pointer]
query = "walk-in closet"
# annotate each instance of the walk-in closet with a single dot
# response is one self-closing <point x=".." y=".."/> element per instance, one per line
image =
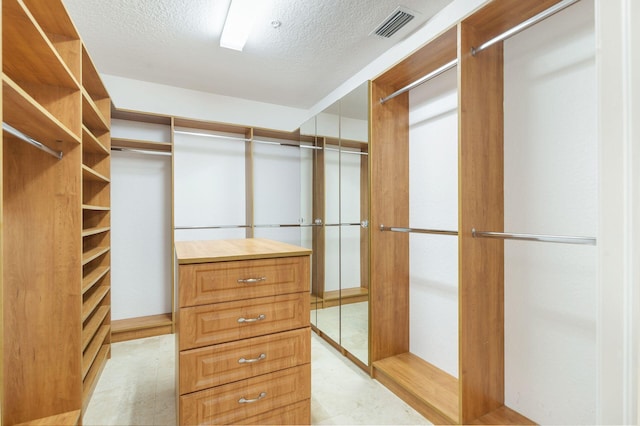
<point x="437" y="228"/>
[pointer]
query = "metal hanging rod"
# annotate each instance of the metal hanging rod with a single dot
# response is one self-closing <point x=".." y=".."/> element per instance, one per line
<point x="345" y="224"/>
<point x="17" y="133"/>
<point x="233" y="138"/>
<point x="141" y="151"/>
<point x="209" y="135"/>
<point x="431" y="75"/>
<point x="589" y="241"/>
<point x="293" y="225"/>
<point x="287" y="144"/>
<point x="417" y="230"/>
<point x="524" y="25"/>
<point x="342" y="151"/>
<point x="213" y="227"/>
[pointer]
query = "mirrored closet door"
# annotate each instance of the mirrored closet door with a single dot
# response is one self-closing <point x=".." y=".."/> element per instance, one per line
<point x="341" y="276"/>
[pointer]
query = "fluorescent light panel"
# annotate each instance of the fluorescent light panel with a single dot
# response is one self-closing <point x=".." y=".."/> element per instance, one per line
<point x="241" y="16"/>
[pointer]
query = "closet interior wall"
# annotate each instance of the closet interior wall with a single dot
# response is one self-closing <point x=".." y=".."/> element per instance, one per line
<point x="142" y="192"/>
<point x="232" y="181"/>
<point x="55" y="216"/>
<point x="461" y="378"/>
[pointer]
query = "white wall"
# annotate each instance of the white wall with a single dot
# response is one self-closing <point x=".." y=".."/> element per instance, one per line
<point x="209" y="185"/>
<point x="140" y="235"/>
<point x="550" y="187"/>
<point x="342" y="205"/>
<point x="279" y="175"/>
<point x="618" y="63"/>
<point x="161" y="99"/>
<point x="433" y="204"/>
<point x="332" y="125"/>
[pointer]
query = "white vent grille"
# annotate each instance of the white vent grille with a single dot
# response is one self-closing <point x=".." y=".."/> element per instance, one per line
<point x="394" y="22"/>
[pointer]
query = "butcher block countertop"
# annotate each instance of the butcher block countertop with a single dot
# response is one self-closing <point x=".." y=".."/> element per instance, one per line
<point x="206" y="251"/>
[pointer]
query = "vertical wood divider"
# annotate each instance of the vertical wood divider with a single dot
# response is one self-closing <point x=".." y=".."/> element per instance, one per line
<point x="173" y="224"/>
<point x="318" y="244"/>
<point x="248" y="169"/>
<point x="389" y="256"/>
<point x="481" y="201"/>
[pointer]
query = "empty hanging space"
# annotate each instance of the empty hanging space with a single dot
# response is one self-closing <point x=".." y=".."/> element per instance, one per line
<point x="142" y="236"/>
<point x="212" y="181"/>
<point x="517" y="112"/>
<point x="550" y="188"/>
<point x="428" y="372"/>
<point x="414" y="270"/>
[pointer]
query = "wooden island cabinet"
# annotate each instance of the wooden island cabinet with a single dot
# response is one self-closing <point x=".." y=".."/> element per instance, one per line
<point x="243" y="342"/>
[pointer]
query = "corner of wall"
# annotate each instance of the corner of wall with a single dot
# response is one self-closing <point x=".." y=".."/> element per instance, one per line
<point x="137" y="95"/>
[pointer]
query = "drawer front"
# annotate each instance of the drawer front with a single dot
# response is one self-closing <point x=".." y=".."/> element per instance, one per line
<point x="230" y="404"/>
<point x="226" y="281"/>
<point x="296" y="414"/>
<point x="226" y="322"/>
<point x="217" y="365"/>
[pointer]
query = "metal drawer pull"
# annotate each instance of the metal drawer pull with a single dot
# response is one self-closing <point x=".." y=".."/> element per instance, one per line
<point x="251" y="280"/>
<point x="258" y="318"/>
<point x="249" y="361"/>
<point x="244" y="400"/>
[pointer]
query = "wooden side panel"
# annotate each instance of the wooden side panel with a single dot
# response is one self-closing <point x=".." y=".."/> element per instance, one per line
<point x="318" y="244"/>
<point x="481" y="194"/>
<point x="389" y="256"/>
<point x="364" y="215"/>
<point x="41" y="281"/>
<point x="429" y="58"/>
<point x="249" y="184"/>
<point x="500" y="16"/>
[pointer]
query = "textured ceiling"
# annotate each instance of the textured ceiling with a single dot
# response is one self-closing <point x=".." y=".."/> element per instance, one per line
<point x="320" y="44"/>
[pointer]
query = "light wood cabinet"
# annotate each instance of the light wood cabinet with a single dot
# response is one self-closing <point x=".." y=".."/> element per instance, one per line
<point x="55" y="215"/>
<point x="242" y="332"/>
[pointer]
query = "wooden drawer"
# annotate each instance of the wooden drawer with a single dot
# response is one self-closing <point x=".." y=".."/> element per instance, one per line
<point x="226" y="322"/>
<point x="217" y="365"/>
<point x="237" y="280"/>
<point x="226" y="404"/>
<point x="296" y="414"/>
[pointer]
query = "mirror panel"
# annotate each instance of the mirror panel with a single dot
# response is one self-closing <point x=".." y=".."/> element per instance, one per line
<point x="354" y="255"/>
<point x="329" y="131"/>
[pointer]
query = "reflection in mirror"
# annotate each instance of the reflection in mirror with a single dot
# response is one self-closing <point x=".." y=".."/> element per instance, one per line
<point x="341" y="245"/>
<point x="329" y="133"/>
<point x="308" y="160"/>
<point x="354" y="208"/>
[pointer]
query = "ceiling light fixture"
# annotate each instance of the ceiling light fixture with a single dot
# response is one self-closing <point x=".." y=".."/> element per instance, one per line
<point x="241" y="16"/>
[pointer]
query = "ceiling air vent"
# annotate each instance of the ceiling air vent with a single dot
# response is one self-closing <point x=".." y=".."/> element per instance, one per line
<point x="394" y="22"/>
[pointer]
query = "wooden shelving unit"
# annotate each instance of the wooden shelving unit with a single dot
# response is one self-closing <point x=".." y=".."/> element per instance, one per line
<point x="96" y="226"/>
<point x="42" y="97"/>
<point x="477" y="395"/>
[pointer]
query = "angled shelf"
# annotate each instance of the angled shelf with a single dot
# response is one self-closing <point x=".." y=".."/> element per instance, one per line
<point x="93" y="254"/>
<point x="91" y="352"/>
<point x="24" y="113"/>
<point x="92" y="144"/>
<point x="93" y="324"/>
<point x="90" y="279"/>
<point x="94" y="231"/>
<point x="88" y="174"/>
<point x="92" y="117"/>
<point x="93" y="300"/>
<point x="90" y="207"/>
<point x="30" y="56"/>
